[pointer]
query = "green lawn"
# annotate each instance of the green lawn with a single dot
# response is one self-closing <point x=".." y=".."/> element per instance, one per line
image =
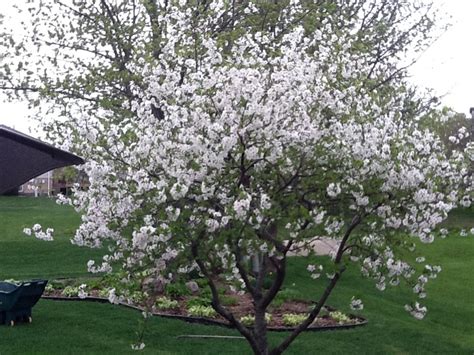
<point x="26" y="257"/>
<point x="79" y="327"/>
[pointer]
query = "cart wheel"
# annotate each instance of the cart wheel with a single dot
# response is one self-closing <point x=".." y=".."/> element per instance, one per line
<point x="12" y="323"/>
<point x="30" y="320"/>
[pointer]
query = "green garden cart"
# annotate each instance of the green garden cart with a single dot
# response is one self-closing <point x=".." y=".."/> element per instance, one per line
<point x="17" y="300"/>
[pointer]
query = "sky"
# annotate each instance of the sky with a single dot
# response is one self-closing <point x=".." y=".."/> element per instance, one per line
<point x="447" y="66"/>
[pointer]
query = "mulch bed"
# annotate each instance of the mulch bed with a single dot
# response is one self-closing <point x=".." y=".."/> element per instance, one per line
<point x="243" y="307"/>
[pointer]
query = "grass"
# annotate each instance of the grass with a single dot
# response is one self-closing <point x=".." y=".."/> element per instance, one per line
<point x="79" y="327"/>
<point x="24" y="257"/>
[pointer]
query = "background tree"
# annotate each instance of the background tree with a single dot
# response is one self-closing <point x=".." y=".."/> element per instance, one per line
<point x="65" y="178"/>
<point x="455" y="130"/>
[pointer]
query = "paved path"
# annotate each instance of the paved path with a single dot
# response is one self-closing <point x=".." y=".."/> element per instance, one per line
<point x="322" y="246"/>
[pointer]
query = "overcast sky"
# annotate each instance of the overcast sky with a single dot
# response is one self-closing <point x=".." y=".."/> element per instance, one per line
<point x="447" y="67"/>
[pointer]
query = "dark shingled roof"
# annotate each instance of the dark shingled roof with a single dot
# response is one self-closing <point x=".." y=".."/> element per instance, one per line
<point x="23" y="157"/>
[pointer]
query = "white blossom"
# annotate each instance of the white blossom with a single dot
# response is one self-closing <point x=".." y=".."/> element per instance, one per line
<point x="82" y="291"/>
<point x="38" y="232"/>
<point x="356" y="304"/>
<point x="416" y="310"/>
<point x="333" y="189"/>
<point x="139" y="346"/>
<point x="113" y="297"/>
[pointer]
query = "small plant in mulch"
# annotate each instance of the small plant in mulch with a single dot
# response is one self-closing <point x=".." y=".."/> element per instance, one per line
<point x="164" y="303"/>
<point x="249" y="319"/>
<point x="103" y="293"/>
<point x="70" y="291"/>
<point x="202" y="311"/>
<point x="292" y="319"/>
<point x="340" y="317"/>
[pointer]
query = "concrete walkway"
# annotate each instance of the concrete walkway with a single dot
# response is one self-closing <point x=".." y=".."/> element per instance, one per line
<point x="321" y="246"/>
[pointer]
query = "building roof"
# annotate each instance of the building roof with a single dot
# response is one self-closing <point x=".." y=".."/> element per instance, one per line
<point x="23" y="157"/>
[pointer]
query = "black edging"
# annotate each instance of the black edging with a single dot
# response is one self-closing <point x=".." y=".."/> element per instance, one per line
<point x="207" y="321"/>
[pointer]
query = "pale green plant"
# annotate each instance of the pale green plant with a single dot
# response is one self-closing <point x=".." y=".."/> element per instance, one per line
<point x="339" y="317"/>
<point x="70" y="291"/>
<point x="249" y="319"/>
<point x="165" y="303"/>
<point x="293" y="319"/>
<point x="202" y="311"/>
